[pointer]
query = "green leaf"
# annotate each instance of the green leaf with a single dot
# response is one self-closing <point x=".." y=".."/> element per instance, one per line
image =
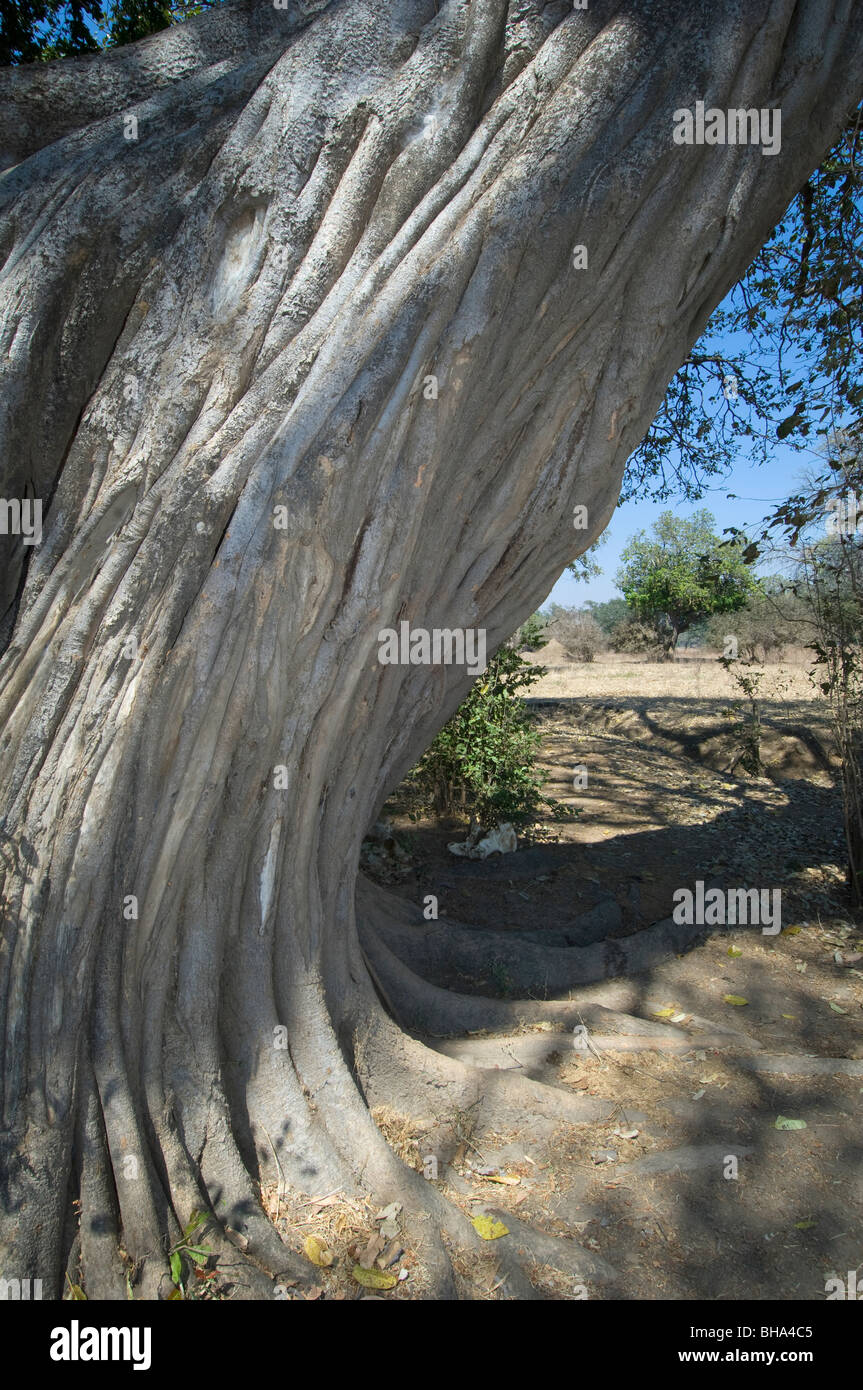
<point x="176" y="1267"/>
<point x="789" y="424"/>
<point x="194" y="1222"/>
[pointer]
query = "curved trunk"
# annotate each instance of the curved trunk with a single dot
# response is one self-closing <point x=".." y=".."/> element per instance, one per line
<point x="300" y="353"/>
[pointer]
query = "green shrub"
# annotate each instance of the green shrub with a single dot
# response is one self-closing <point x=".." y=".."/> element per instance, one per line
<point x="483" y="762"/>
<point x="634" y="635"/>
<point x="532" y="634"/>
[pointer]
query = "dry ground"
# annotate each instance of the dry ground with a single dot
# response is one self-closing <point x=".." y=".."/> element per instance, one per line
<point x="673" y="1182"/>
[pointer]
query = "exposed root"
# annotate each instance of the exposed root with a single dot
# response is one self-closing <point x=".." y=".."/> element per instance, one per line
<point x="562" y="1254"/>
<point x="444" y="951"/>
<point x="376" y="1107"/>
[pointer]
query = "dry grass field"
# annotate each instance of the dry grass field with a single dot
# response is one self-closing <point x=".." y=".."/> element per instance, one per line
<point x="694" y="674"/>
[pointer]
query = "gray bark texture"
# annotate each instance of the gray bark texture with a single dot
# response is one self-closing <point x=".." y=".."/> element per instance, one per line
<point x="236" y="312"/>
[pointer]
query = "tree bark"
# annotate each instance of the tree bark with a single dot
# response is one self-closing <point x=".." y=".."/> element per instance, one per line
<point x="238" y="312"/>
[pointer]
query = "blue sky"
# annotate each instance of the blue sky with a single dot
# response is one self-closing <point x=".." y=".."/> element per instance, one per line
<point x="756" y="489"/>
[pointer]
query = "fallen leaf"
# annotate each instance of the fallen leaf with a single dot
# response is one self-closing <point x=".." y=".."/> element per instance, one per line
<point x="836" y="1009"/>
<point x="734" y="951"/>
<point x="782" y="1122"/>
<point x="625" y="1133"/>
<point x="663" y="1013"/>
<point x="488" y="1228"/>
<point x="851" y="958"/>
<point x="372" y="1250"/>
<point x="387" y="1219"/>
<point x="374" y="1278"/>
<point x="390" y="1255"/>
<point x="804" y="1225"/>
<point x="791" y="931"/>
<point x="390" y="1212"/>
<point x="317" y="1252"/>
<point x="736" y="999"/>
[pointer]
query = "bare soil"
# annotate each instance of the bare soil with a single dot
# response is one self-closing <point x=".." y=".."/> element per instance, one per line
<point x="674" y="1182"/>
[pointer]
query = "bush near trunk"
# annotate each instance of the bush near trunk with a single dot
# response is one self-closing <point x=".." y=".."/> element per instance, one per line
<point x="483" y="763"/>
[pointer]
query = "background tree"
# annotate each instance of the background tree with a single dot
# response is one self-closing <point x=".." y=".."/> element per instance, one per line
<point x="782" y="358"/>
<point x="833" y="579"/>
<point x="33" y="30"/>
<point x="532" y="636"/>
<point x="608" y="614"/>
<point x="772" y="618"/>
<point x="682" y="573"/>
<point x="214" y="354"/>
<point x="821" y="528"/>
<point x="638" y="637"/>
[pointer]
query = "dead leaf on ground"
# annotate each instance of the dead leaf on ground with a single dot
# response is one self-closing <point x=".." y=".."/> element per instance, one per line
<point x="489" y="1228"/>
<point x="318" y="1252"/>
<point x="374" y="1278"/>
<point x="371" y="1251"/>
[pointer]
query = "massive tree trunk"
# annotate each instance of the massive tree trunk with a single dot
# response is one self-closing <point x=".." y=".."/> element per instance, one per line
<point x="217" y="345"/>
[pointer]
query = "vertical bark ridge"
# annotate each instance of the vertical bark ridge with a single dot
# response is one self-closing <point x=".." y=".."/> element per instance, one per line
<point x="237" y="313"/>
